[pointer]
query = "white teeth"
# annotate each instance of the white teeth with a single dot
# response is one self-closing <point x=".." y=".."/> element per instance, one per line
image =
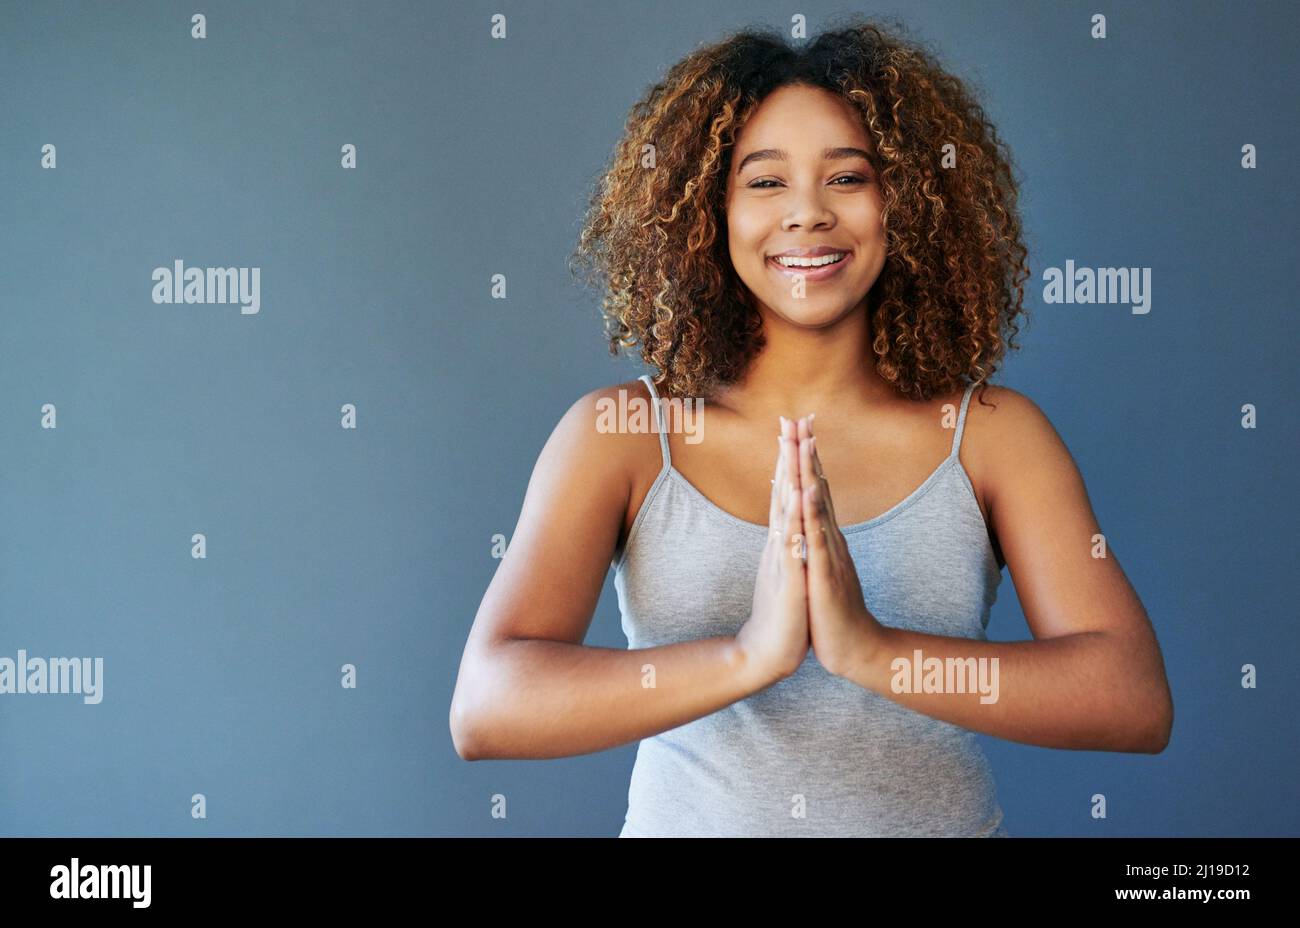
<point x="810" y="262"/>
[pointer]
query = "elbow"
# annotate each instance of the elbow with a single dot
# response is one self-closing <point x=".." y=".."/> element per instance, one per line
<point x="468" y="712"/>
<point x="1160" y="724"/>
<point x="474" y="703"/>
<point x="462" y="737"/>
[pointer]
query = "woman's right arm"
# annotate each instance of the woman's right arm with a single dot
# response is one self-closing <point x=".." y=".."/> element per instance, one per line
<point x="527" y="686"/>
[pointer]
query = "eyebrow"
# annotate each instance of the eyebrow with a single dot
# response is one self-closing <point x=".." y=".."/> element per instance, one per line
<point x="778" y="154"/>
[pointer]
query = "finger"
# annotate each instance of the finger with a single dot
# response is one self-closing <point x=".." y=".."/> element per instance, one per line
<point x="815" y="526"/>
<point x="789" y="448"/>
<point x="828" y="501"/>
<point x="838" y="545"/>
<point x="795" y="515"/>
<point x="790" y="451"/>
<point x="794" y="541"/>
<point x="807" y="474"/>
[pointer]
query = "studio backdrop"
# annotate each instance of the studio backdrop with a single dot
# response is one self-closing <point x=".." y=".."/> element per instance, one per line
<point x="258" y="515"/>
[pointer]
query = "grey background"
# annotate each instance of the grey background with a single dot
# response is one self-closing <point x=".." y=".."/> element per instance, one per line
<point x="372" y="546"/>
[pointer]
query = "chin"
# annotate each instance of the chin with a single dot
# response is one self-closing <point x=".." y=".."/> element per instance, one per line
<point x="812" y="316"/>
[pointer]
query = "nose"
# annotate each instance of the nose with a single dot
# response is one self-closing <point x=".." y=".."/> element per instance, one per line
<point x="808" y="211"/>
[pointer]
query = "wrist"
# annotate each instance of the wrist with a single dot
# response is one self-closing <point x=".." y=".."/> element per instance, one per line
<point x="753" y="674"/>
<point x="869" y="646"/>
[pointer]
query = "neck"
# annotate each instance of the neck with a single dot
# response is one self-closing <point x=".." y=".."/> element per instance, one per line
<point x="803" y="370"/>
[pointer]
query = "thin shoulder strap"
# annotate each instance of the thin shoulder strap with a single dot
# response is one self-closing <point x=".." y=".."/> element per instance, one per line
<point x="658" y="419"/>
<point x="961" y="421"/>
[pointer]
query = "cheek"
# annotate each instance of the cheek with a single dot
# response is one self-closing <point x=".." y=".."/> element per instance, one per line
<point x="870" y="220"/>
<point x="746" y="231"/>
<point x="745" y="221"/>
<point x="866" y="220"/>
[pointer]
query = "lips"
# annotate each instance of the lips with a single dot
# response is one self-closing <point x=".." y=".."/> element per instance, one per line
<point x="810" y="273"/>
<point x="819" y="251"/>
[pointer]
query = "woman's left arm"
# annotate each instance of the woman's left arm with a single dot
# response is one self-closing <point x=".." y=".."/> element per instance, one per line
<point x="1093" y="678"/>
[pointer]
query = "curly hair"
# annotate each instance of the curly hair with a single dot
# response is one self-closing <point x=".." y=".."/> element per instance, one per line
<point x="953" y="280"/>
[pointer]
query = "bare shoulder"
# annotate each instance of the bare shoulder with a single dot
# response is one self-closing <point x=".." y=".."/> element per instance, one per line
<point x="1003" y="409"/>
<point x="1012" y="439"/>
<point x="607" y="436"/>
<point x="1009" y="414"/>
<point x="598" y="431"/>
<point x="585" y="475"/>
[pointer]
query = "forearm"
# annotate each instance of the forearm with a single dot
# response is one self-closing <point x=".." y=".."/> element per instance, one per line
<point x="538" y="698"/>
<point x="1090" y="691"/>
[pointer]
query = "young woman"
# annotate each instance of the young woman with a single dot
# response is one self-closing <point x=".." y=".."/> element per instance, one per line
<point x="789" y="233"/>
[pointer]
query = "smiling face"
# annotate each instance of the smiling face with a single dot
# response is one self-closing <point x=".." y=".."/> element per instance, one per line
<point x="800" y="180"/>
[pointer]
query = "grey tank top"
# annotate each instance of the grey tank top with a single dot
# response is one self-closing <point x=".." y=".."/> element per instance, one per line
<point x="814" y="754"/>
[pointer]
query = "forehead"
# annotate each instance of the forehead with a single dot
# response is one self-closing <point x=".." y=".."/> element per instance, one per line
<point x="800" y="118"/>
